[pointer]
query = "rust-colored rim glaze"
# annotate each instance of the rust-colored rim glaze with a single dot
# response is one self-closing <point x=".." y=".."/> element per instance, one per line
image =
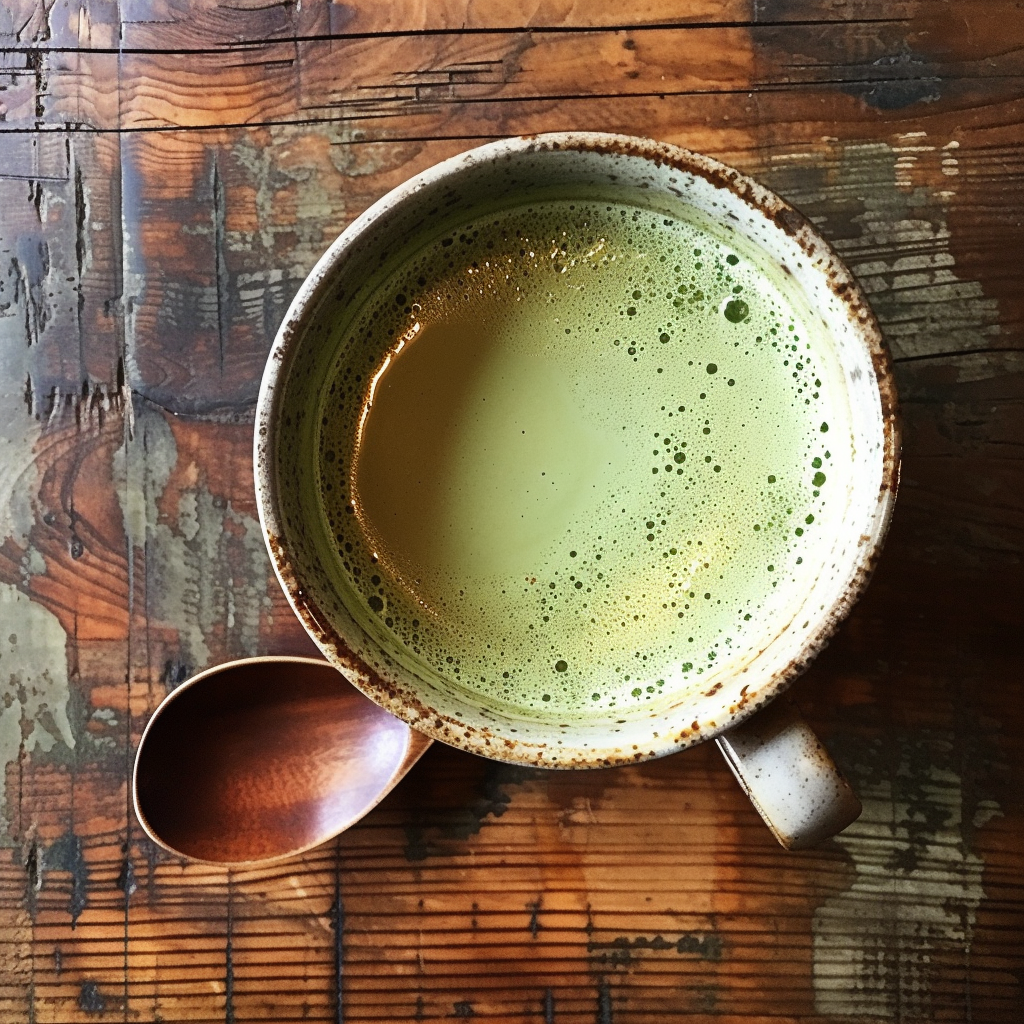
<point x="713" y="718"/>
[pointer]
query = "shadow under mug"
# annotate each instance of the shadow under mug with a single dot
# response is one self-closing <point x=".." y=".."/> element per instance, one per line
<point x="779" y="762"/>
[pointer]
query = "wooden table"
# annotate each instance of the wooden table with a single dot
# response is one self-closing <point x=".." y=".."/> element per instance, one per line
<point x="169" y="172"/>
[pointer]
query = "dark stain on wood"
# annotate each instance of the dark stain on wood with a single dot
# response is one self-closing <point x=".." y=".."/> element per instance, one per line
<point x="896" y="93"/>
<point x="534" y="909"/>
<point x="604" y="1003"/>
<point x="66" y="854"/>
<point x="229" y="963"/>
<point x="221" y="269"/>
<point x="126" y="881"/>
<point x="81" y="243"/>
<point x="462" y="802"/>
<point x="175" y="673"/>
<point x="337" y="917"/>
<point x="90" y="999"/>
<point x="153" y="856"/>
<point x="619" y="952"/>
<point x="34" y="877"/>
<point x="549" y="1006"/>
<point x="35" y="62"/>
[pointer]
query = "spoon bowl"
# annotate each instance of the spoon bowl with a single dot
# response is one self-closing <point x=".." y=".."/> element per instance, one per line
<point x="261" y="759"/>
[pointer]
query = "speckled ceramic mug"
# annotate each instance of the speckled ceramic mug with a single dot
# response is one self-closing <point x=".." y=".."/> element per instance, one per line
<point x="789" y="777"/>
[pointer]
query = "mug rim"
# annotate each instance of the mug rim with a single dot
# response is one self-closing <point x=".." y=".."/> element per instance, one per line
<point x="303" y="308"/>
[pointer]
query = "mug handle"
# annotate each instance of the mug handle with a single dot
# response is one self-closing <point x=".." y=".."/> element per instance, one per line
<point x="789" y="776"/>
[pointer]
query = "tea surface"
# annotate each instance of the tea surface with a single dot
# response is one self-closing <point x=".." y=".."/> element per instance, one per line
<point x="580" y="456"/>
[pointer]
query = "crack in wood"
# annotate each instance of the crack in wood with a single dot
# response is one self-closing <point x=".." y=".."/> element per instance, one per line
<point x="221" y="271"/>
<point x="549" y="1006"/>
<point x="81" y="252"/>
<point x="959" y="353"/>
<point x="604" y="1003"/>
<point x="337" y="918"/>
<point x="229" y="962"/>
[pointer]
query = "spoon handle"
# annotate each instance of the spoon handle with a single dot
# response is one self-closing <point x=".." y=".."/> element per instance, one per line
<point x="418" y="744"/>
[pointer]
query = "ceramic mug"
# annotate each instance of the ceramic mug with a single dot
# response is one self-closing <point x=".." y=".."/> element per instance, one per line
<point x="789" y="777"/>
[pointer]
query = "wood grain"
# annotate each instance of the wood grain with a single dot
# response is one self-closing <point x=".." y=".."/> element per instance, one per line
<point x="169" y="172"/>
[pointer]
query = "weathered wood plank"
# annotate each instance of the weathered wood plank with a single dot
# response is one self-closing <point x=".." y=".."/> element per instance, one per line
<point x="358" y="78"/>
<point x="201" y="24"/>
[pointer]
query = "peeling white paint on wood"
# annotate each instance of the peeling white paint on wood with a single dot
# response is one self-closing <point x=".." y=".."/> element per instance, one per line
<point x="878" y="204"/>
<point x="34" y="689"/>
<point x="208" y="563"/>
<point x="913" y="898"/>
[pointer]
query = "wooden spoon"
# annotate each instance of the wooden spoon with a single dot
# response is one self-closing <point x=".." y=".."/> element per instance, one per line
<point x="261" y="759"/>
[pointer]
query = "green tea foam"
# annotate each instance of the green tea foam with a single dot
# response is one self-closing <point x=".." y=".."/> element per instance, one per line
<point x="580" y="456"/>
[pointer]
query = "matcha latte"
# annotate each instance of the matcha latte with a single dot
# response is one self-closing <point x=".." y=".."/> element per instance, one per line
<point x="579" y="456"/>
